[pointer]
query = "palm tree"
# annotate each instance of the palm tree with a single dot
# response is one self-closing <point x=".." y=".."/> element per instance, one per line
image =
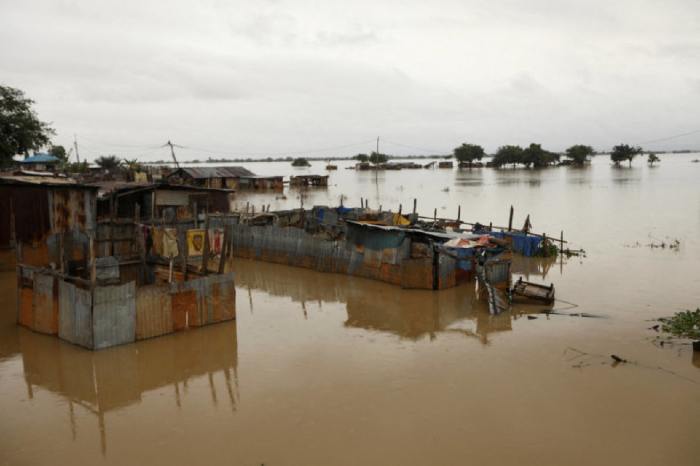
<point x="108" y="162"/>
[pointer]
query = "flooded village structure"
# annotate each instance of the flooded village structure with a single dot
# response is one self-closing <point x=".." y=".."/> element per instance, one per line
<point x="111" y="262"/>
<point x="99" y="269"/>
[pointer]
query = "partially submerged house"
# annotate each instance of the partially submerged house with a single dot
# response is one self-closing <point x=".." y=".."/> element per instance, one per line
<point x="261" y="183"/>
<point x="209" y="177"/>
<point x="96" y="278"/>
<point x="378" y="245"/>
<point x="308" y="180"/>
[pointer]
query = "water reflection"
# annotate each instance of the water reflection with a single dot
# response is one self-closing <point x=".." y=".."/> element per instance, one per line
<point x="370" y="305"/>
<point x="100" y="382"/>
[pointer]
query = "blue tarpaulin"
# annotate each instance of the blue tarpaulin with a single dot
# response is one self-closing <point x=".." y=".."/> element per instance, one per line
<point x="525" y="244"/>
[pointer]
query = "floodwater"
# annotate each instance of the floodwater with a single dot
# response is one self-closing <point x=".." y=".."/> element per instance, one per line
<point x="331" y="369"/>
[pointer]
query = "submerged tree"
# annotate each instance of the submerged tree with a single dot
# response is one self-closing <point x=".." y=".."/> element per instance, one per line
<point x="508" y="155"/>
<point x="537" y="157"/>
<point x="468" y="153"/>
<point x="20" y="127"/>
<point x="624" y="152"/>
<point x="377" y="157"/>
<point x="652" y="159"/>
<point x="108" y="162"/>
<point x="300" y="162"/>
<point x="362" y="158"/>
<point x="578" y="154"/>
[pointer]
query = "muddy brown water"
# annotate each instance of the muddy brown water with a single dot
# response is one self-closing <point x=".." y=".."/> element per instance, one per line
<point x="330" y="369"/>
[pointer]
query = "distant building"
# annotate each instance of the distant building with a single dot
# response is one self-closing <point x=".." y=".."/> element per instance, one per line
<point x="210" y="177"/>
<point x="40" y="162"/>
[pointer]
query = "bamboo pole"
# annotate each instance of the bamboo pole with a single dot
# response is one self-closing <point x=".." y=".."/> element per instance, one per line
<point x="510" y="219"/>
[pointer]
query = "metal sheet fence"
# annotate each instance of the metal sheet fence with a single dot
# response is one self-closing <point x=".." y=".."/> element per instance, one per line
<point x="75" y="314"/>
<point x="154" y="316"/>
<point x="386" y="260"/>
<point x="45" y="304"/>
<point x="114" y="315"/>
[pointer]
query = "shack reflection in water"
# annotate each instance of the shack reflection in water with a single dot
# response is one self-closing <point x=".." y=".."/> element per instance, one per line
<point x="108" y="380"/>
<point x="411" y="314"/>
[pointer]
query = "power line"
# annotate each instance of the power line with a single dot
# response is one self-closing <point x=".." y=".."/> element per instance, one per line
<point x="671" y="137"/>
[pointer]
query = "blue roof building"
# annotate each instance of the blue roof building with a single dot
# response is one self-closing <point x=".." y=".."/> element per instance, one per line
<point x="40" y="161"/>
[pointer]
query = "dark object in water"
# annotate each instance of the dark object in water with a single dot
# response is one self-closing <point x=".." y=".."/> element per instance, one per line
<point x="696" y="346"/>
<point x="528" y="292"/>
<point x="531" y="317"/>
<point x="617" y="359"/>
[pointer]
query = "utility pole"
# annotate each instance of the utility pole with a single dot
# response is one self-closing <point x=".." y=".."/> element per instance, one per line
<point x="75" y="145"/>
<point x="377" y="144"/>
<point x="172" y="152"/>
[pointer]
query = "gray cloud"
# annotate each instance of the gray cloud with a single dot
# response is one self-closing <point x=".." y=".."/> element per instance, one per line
<point x="257" y="77"/>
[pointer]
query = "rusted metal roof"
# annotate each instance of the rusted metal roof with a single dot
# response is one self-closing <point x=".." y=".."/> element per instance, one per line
<point x="107" y="188"/>
<point x="44" y="181"/>
<point x="214" y="172"/>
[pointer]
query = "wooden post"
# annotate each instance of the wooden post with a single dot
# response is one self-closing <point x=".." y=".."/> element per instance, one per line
<point x="510" y="219"/>
<point x="181" y="237"/>
<point x="362" y="202"/>
<point x="400" y="208"/>
<point x="93" y="262"/>
<point x="544" y="245"/>
<point x="247" y="205"/>
<point x="153" y="205"/>
<point x="205" y="254"/>
<point x="435" y="215"/>
<point x="224" y="249"/>
<point x="113" y="208"/>
<point x="561" y="240"/>
<point x="459" y="213"/>
<point x="415" y="204"/>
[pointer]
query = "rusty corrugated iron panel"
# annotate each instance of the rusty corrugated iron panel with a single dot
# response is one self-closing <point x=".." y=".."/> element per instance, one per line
<point x="71" y="209"/>
<point x="75" y="314"/>
<point x="184" y="304"/>
<point x="114" y="315"/>
<point x="45" y="304"/>
<point x="154" y="312"/>
<point x="213" y="172"/>
<point x="30" y="206"/>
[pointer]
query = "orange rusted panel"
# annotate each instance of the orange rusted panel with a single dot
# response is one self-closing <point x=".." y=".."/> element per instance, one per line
<point x="154" y="313"/>
<point x="223" y="299"/>
<point x="184" y="306"/>
<point x="417" y="273"/>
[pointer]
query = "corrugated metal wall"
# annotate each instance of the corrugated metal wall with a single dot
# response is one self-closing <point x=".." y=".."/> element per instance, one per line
<point x="75" y="314"/>
<point x="385" y="259"/>
<point x="114" y="315"/>
<point x="154" y="314"/>
<point x="45" y="304"/>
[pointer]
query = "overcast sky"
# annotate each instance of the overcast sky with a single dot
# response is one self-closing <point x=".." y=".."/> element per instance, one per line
<point x="228" y="78"/>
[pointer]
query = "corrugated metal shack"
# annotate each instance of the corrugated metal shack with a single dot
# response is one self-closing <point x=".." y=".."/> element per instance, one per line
<point x="209" y="177"/>
<point x="261" y="183"/>
<point x="308" y="180"/>
<point x="92" y="277"/>
<point x="358" y="242"/>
